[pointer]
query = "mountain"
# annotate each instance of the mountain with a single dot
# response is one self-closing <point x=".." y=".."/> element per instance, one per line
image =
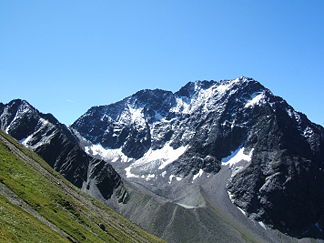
<point x="223" y="161"/>
<point x="216" y="141"/>
<point x="60" y="148"/>
<point x="39" y="205"/>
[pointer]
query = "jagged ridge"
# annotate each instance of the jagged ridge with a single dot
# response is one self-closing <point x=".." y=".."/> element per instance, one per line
<point x="60" y="148"/>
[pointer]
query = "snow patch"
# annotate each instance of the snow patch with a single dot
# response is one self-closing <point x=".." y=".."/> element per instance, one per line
<point x="41" y="125"/>
<point x="222" y="88"/>
<point x="173" y="176"/>
<point x="262" y="225"/>
<point x="149" y="177"/>
<point x="241" y="210"/>
<point x="204" y="99"/>
<point x="132" y="115"/>
<point x="169" y="153"/>
<point x="293" y="114"/>
<point x="152" y="160"/>
<point x="237" y="156"/>
<point x="43" y="121"/>
<point x="232" y="154"/>
<point x="182" y="105"/>
<point x="111" y="155"/>
<point x="25" y="141"/>
<point x="136" y="114"/>
<point x="256" y="99"/>
<point x="308" y="132"/>
<point x="199" y="174"/>
<point x="129" y="174"/>
<point x="186" y="206"/>
<point x="230" y="196"/>
<point x="164" y="156"/>
<point x="207" y="98"/>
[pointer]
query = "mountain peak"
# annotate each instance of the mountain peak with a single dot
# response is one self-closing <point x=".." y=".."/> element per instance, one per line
<point x="20" y="102"/>
<point x="190" y="87"/>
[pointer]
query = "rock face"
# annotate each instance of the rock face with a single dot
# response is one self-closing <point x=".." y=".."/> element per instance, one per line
<point x="60" y="148"/>
<point x="161" y="139"/>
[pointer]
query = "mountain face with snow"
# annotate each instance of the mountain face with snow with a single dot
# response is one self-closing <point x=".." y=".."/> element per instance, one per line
<point x="180" y="145"/>
<point x="60" y="148"/>
<point x="223" y="161"/>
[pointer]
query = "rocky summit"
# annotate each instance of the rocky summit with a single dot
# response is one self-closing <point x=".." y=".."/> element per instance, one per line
<point x="224" y="161"/>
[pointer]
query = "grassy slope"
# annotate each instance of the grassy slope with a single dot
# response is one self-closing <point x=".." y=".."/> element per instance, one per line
<point x="70" y="210"/>
<point x="18" y="226"/>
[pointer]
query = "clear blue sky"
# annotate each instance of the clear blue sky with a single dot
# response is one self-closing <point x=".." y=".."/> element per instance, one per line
<point x="66" y="56"/>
